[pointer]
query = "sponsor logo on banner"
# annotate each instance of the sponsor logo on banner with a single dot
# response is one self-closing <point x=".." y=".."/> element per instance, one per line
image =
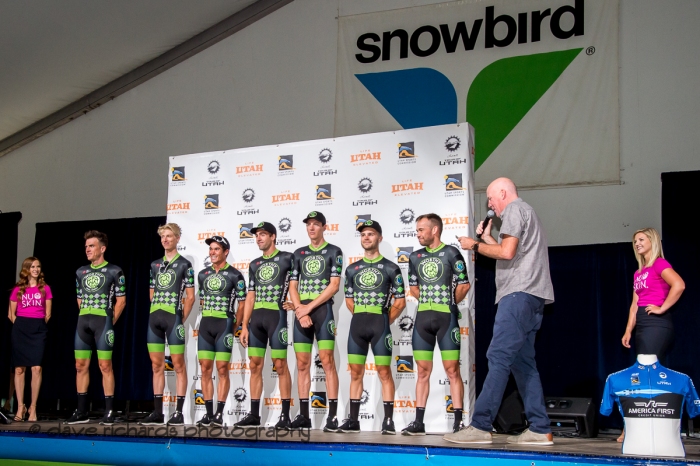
<point x="318" y="374"/>
<point x="285" y="198"/>
<point x="284" y="232"/>
<point x="211" y="204"/>
<point x="402" y="255"/>
<point x="449" y="407"/>
<point x="275" y="403"/>
<point x="325" y="157"/>
<point x="240" y="395"/>
<point x="169" y="399"/>
<point x="198" y="398"/>
<point x="365" y="158"/>
<point x="203" y="236"/>
<point x="244" y="234"/>
<point x="353" y="259"/>
<point x="249" y="169"/>
<point x="169" y="366"/>
<point x="318" y="401"/>
<point x="365" y="185"/>
<point x="285" y="165"/>
<point x="407" y="188"/>
<point x="239" y="367"/>
<point x="213" y="168"/>
<point x="405" y="324"/>
<point x="405" y="368"/>
<point x="453" y="221"/>
<point x="178" y="207"/>
<point x="407" y="152"/>
<point x="359" y="220"/>
<point x="404" y="404"/>
<point x="407" y="219"/>
<point x="177" y="176"/>
<point x="242" y="266"/>
<point x="452" y="145"/>
<point x="365" y="406"/>
<point x="324" y="194"/>
<point x="180" y="248"/>
<point x="454" y="185"/>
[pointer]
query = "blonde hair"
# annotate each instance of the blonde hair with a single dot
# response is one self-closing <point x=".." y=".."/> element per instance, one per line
<point x="656" y="249"/>
<point x="174" y="227"/>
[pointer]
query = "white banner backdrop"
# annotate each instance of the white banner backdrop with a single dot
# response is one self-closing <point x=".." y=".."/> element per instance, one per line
<point x="389" y="177"/>
<point x="537" y="79"/>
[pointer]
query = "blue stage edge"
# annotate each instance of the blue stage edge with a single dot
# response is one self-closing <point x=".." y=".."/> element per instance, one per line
<point x="186" y="451"/>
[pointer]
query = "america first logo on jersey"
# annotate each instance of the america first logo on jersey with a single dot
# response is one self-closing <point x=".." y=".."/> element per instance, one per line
<point x="267" y="272"/>
<point x="430" y="269"/>
<point x="215" y="283"/>
<point x="93" y="281"/>
<point x="165" y="280"/>
<point x="314" y="265"/>
<point x="368" y="279"/>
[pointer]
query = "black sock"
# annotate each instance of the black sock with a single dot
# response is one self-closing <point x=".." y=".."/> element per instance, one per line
<point x="458" y="415"/>
<point x="389" y="409"/>
<point x="332" y="408"/>
<point x="354" y="409"/>
<point x="158" y="403"/>
<point x="286" y="402"/>
<point x="220" y="407"/>
<point x="82" y="402"/>
<point x="209" y="404"/>
<point x="180" y="403"/>
<point x="420" y="413"/>
<point x="109" y="403"/>
<point x="304" y="407"/>
<point x="255" y="407"/>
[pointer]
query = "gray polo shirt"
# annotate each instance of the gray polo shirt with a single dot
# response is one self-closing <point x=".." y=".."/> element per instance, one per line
<point x="528" y="271"/>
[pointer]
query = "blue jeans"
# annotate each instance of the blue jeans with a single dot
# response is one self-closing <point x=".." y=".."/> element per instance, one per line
<point x="512" y="348"/>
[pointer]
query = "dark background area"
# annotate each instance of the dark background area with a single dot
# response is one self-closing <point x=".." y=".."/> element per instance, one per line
<point x="577" y="346"/>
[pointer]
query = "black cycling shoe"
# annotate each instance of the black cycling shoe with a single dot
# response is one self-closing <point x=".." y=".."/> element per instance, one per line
<point x="78" y="418"/>
<point x="153" y="419"/>
<point x="177" y="419"/>
<point x="108" y="418"/>
<point x="301" y="422"/>
<point x="217" y="420"/>
<point x="388" y="427"/>
<point x="350" y="426"/>
<point x="284" y="423"/>
<point x="331" y="425"/>
<point x="250" y="420"/>
<point x="414" y="428"/>
<point x="205" y="421"/>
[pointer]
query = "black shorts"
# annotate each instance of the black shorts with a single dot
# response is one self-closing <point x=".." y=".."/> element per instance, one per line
<point x="370" y="329"/>
<point x="215" y="340"/>
<point x="28" y="341"/>
<point x="265" y="326"/>
<point x="92" y="328"/>
<point x="323" y="329"/>
<point x="161" y="324"/>
<point x="432" y="327"/>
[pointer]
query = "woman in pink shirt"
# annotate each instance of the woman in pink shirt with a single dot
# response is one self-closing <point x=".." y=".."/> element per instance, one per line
<point x="30" y="310"/>
<point x="657" y="287"/>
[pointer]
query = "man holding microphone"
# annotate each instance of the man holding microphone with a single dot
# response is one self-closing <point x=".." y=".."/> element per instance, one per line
<point x="523" y="287"/>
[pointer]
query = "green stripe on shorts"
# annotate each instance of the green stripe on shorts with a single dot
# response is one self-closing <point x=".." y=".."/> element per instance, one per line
<point x="421" y="355"/>
<point x="382" y="360"/>
<point x="256" y="352"/>
<point x="302" y="347"/>
<point x="83" y="354"/>
<point x="208" y="355"/>
<point x="326" y="345"/>
<point x="221" y="356"/>
<point x="156" y="347"/>
<point x="104" y="355"/>
<point x="278" y="354"/>
<point x="356" y="359"/>
<point x="450" y="355"/>
<point x="177" y="349"/>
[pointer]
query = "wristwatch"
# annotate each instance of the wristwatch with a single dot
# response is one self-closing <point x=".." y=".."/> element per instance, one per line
<point x="475" y="247"/>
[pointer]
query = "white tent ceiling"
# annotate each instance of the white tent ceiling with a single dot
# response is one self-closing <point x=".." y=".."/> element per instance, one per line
<point x="52" y="52"/>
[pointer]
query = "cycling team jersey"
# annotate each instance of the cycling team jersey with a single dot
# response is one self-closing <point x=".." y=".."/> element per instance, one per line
<point x="437" y="272"/>
<point x="651" y="400"/>
<point x="269" y="278"/>
<point x="371" y="284"/>
<point x="98" y="286"/>
<point x="168" y="282"/>
<point x="219" y="291"/>
<point x="314" y="268"/>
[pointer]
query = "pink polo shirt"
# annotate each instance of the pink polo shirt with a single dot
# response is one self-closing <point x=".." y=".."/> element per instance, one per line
<point x="32" y="304"/>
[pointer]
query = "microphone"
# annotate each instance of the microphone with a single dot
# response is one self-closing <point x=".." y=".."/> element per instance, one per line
<point x="489" y="215"/>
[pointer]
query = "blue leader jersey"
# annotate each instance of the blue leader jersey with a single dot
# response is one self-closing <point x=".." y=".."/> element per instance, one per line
<point x="651" y="400"/>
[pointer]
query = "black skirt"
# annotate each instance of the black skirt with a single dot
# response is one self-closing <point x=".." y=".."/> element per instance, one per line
<point x="654" y="334"/>
<point x="28" y="341"/>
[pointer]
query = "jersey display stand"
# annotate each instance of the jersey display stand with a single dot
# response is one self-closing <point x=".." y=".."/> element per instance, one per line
<point x="651" y="399"/>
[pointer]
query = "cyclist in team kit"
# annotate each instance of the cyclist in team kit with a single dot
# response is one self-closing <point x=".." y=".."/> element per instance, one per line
<point x="370" y="284"/>
<point x="315" y="280"/>
<point x="265" y="322"/>
<point x="438" y="280"/>
<point x="172" y="297"/>
<point x="101" y="290"/>
<point x="220" y="285"/>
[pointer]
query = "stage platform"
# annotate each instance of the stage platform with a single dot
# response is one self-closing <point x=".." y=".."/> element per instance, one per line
<point x="128" y="443"/>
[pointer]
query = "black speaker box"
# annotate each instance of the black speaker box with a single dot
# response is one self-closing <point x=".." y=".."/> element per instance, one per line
<point x="569" y="417"/>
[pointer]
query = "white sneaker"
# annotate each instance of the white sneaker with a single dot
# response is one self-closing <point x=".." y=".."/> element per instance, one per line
<point x="531" y="438"/>
<point x="469" y="435"/>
